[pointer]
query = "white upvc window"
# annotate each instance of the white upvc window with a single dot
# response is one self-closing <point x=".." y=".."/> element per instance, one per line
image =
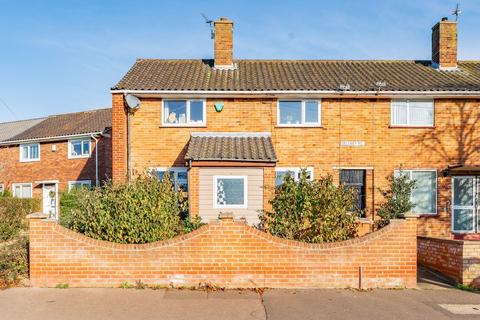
<point x="30" y="152"/>
<point x="186" y="112"/>
<point x="424" y="194"/>
<point x="2" y="188"/>
<point x="294" y="172"/>
<point x="22" y="190"/>
<point x="179" y="176"/>
<point x="412" y="113"/>
<point x="79" y="148"/>
<point x="299" y="113"/>
<point x="79" y="184"/>
<point x="230" y="192"/>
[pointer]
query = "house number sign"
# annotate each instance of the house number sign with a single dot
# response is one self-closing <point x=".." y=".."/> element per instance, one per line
<point x="354" y="143"/>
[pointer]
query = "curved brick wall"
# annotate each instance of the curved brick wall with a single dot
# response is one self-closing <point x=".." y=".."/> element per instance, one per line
<point x="227" y="254"/>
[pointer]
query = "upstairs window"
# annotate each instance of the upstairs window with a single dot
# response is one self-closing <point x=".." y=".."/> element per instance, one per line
<point x="184" y="113"/>
<point x="79" y="148"/>
<point x="412" y="113"/>
<point x="30" y="152"/>
<point x="299" y="113"/>
<point x="295" y="172"/>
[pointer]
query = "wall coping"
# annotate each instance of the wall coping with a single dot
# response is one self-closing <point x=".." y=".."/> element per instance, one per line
<point x="439" y="239"/>
<point x="394" y="224"/>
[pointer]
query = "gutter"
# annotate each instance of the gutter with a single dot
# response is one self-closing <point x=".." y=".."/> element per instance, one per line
<point x="52" y="138"/>
<point x="322" y="93"/>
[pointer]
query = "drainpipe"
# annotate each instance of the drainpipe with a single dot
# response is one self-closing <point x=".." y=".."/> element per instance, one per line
<point x="96" y="160"/>
<point x="129" y="168"/>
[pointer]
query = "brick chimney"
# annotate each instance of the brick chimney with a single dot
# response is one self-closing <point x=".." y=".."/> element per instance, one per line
<point x="223" y="43"/>
<point x="444" y="45"/>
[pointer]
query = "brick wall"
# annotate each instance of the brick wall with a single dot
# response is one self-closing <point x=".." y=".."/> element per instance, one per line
<point x="457" y="259"/>
<point x="227" y="254"/>
<point x="53" y="165"/>
<point x="451" y="141"/>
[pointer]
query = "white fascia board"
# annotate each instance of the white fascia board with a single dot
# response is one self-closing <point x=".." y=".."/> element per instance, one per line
<point x="47" y="139"/>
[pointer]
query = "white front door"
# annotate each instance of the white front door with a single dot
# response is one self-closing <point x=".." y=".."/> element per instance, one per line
<point x="50" y="195"/>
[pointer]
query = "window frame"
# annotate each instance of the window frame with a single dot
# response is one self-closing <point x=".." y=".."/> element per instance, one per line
<point x="295" y="170"/>
<point x="70" y="148"/>
<point x="187" y="115"/>
<point x="230" y="206"/>
<point x="22" y="184"/>
<point x="303" y="123"/>
<point x="436" y="187"/>
<point x="408" y="125"/>
<point x="175" y="171"/>
<point x="81" y="182"/>
<point x="22" y="159"/>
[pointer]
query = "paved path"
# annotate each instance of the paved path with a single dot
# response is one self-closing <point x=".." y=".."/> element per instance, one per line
<point x="119" y="304"/>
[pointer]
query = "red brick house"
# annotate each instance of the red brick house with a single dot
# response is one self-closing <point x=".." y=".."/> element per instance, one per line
<point x="43" y="157"/>
<point x="229" y="130"/>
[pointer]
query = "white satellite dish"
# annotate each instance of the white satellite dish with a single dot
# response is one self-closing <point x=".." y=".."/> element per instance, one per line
<point x="133" y="102"/>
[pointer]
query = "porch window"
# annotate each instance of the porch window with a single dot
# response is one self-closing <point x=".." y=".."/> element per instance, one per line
<point x="299" y="113"/>
<point x="412" y="113"/>
<point x="424" y="195"/>
<point x="79" y="148"/>
<point x="179" y="176"/>
<point x="30" y="152"/>
<point x="22" y="190"/>
<point x="294" y="172"/>
<point x="466" y="207"/>
<point x="230" y="191"/>
<point x="79" y="184"/>
<point x="184" y="113"/>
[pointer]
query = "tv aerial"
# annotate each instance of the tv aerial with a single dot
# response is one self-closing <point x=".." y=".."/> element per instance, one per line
<point x="457" y="12"/>
<point x="209" y="22"/>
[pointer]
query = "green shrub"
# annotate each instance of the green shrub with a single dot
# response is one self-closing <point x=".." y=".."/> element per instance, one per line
<point x="141" y="211"/>
<point x="13" y="261"/>
<point x="12" y="215"/>
<point x="396" y="198"/>
<point x="311" y="211"/>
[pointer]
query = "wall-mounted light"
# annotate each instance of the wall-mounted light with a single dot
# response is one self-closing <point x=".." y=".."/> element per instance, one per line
<point x="54" y="147"/>
<point x="219" y="106"/>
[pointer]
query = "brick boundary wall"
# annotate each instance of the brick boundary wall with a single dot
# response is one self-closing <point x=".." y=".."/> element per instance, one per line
<point x="228" y="254"/>
<point x="457" y="259"/>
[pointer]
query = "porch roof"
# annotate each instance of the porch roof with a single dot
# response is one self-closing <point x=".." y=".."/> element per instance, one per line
<point x="241" y="147"/>
<point x="459" y="170"/>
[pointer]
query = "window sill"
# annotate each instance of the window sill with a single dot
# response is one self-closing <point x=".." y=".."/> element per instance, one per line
<point x="80" y="157"/>
<point x="299" y="126"/>
<point x="25" y="161"/>
<point x="411" y="127"/>
<point x="427" y="215"/>
<point x="183" y="126"/>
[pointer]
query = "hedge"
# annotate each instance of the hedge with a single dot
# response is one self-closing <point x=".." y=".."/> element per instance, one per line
<point x="13" y="212"/>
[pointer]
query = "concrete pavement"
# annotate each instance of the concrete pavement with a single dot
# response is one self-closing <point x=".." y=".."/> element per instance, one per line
<point x="119" y="304"/>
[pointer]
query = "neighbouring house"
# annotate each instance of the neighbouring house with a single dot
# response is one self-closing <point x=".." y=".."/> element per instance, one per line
<point x="43" y="157"/>
<point x="229" y="130"/>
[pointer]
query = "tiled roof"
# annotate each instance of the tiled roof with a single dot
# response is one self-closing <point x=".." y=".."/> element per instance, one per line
<point x="255" y="147"/>
<point x="319" y="75"/>
<point x="85" y="122"/>
<point x="11" y="129"/>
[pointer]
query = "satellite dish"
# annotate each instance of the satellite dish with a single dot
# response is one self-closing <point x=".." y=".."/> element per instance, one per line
<point x="132" y="102"/>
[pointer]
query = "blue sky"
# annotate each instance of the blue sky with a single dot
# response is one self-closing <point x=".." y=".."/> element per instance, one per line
<point x="63" y="56"/>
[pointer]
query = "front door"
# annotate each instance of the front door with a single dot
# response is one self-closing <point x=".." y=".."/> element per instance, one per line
<point x="465" y="204"/>
<point x="356" y="180"/>
<point x="50" y="200"/>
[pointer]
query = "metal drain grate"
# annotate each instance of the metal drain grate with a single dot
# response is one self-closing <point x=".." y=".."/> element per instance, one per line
<point x="462" y="308"/>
